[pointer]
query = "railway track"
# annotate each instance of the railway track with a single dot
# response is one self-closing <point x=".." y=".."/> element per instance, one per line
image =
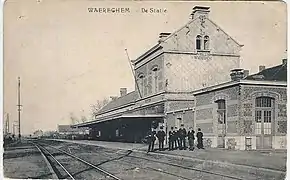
<point x="192" y="170"/>
<point x="215" y="174"/>
<point x="57" y="166"/>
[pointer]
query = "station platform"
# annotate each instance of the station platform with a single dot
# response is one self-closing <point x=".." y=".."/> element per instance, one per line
<point x="270" y="160"/>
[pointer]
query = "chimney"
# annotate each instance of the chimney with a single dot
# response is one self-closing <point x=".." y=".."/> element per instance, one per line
<point x="246" y="73"/>
<point x="199" y="10"/>
<point x="284" y="61"/>
<point x="123" y="91"/>
<point x="113" y="98"/>
<point x="162" y="36"/>
<point x="237" y="74"/>
<point x="261" y="68"/>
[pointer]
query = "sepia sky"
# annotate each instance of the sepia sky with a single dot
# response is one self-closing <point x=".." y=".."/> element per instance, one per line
<point x="68" y="58"/>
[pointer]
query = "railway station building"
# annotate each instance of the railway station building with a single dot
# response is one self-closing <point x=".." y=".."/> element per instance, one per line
<point x="193" y="77"/>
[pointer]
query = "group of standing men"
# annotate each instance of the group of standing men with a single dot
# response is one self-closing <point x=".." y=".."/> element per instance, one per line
<point x="177" y="139"/>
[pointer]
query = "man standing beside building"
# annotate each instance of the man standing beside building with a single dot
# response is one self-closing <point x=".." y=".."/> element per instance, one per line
<point x="190" y="136"/>
<point x="161" y="136"/>
<point x="182" y="136"/>
<point x="171" y="139"/>
<point x="176" y="138"/>
<point x="151" y="140"/>
<point x="199" y="136"/>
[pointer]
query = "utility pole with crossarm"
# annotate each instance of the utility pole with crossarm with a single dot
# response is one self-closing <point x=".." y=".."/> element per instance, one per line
<point x="19" y="109"/>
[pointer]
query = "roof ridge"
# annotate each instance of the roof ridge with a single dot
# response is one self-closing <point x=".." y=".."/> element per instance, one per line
<point x="225" y="32"/>
<point x="278" y="70"/>
<point x="174" y="32"/>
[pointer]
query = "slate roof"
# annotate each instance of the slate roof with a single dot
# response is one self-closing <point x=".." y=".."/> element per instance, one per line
<point x="276" y="73"/>
<point x="121" y="101"/>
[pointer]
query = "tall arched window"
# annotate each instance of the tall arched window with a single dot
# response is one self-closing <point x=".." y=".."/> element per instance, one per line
<point x="155" y="79"/>
<point x="221" y="111"/>
<point x="264" y="115"/>
<point x="198" y="42"/>
<point x="141" y="85"/>
<point x="221" y="122"/>
<point x="206" y="42"/>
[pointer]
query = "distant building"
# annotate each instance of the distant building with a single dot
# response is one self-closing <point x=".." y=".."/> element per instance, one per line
<point x="68" y="130"/>
<point x="38" y="133"/>
<point x="192" y="77"/>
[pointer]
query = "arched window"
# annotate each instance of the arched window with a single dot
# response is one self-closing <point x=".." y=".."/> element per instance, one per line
<point x="221" y="122"/>
<point x="141" y="85"/>
<point x="198" y="42"/>
<point x="206" y="43"/>
<point x="221" y="111"/>
<point x="155" y="79"/>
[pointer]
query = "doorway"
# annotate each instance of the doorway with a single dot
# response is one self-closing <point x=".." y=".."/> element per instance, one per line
<point x="264" y="116"/>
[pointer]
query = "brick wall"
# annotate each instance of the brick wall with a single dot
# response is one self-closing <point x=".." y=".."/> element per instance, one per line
<point x="206" y="110"/>
<point x="184" y="39"/>
<point x="207" y="98"/>
<point x="188" y="69"/>
<point x="202" y="114"/>
<point x="179" y="105"/>
<point x="148" y="85"/>
<point x="183" y="72"/>
<point x="187" y="118"/>
<point x="247" y="110"/>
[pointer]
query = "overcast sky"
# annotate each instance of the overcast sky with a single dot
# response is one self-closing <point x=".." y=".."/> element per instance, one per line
<point x="68" y="58"/>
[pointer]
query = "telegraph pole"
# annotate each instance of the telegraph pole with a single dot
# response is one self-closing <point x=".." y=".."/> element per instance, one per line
<point x="19" y="109"/>
<point x="7" y="124"/>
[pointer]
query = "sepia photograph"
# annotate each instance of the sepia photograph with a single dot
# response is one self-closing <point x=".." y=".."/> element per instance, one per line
<point x="146" y="90"/>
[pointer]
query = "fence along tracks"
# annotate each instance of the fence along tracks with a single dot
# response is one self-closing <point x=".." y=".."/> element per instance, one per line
<point x="46" y="153"/>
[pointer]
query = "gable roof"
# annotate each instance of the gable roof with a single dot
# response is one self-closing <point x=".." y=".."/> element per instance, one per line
<point x="189" y="22"/>
<point x="147" y="53"/>
<point x="121" y="101"/>
<point x="157" y="46"/>
<point x="276" y="73"/>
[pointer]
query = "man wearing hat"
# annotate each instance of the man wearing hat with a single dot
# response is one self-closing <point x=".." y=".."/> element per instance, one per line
<point x="171" y="139"/>
<point x="176" y="138"/>
<point x="182" y="136"/>
<point x="151" y="140"/>
<point x="161" y="136"/>
<point x="199" y="136"/>
<point x="190" y="136"/>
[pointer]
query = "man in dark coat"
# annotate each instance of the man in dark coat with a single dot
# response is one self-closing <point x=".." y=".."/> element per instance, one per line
<point x="176" y="138"/>
<point x="190" y="136"/>
<point x="161" y="136"/>
<point x="182" y="136"/>
<point x="151" y="140"/>
<point x="171" y="139"/>
<point x="199" y="136"/>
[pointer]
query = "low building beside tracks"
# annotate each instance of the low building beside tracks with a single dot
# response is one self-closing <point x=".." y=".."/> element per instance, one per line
<point x="192" y="76"/>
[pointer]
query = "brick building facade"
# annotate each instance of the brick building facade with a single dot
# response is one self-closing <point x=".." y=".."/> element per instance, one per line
<point x="185" y="79"/>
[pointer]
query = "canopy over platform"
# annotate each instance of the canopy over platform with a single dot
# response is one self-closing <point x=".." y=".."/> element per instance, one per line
<point x="123" y="116"/>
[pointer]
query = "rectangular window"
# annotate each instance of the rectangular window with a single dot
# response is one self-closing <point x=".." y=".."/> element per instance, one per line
<point x="258" y="128"/>
<point x="221" y="116"/>
<point x="267" y="122"/>
<point x="258" y="116"/>
<point x="267" y="116"/>
<point x="263" y="102"/>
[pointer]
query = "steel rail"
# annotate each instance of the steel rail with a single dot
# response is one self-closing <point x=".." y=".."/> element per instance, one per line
<point x="189" y="168"/>
<point x="87" y="163"/>
<point x="68" y="173"/>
